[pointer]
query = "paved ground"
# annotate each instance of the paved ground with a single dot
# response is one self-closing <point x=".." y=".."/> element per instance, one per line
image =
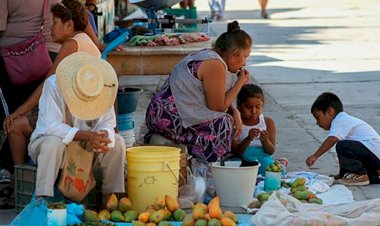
<point x="307" y="47"/>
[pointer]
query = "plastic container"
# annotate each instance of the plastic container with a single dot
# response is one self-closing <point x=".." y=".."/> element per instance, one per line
<point x="272" y="181"/>
<point x="127" y="99"/>
<point x="56" y="217"/>
<point x="125" y="122"/>
<point x="152" y="172"/>
<point x="234" y="185"/>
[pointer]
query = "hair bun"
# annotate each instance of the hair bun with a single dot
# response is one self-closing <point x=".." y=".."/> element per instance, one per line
<point x="233" y="27"/>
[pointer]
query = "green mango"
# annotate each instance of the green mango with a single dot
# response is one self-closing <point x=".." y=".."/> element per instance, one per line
<point x="301" y="195"/>
<point x="299" y="188"/>
<point x="130" y="215"/>
<point x="315" y="201"/>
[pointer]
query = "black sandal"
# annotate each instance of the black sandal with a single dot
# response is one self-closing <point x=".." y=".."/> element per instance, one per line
<point x="7" y="203"/>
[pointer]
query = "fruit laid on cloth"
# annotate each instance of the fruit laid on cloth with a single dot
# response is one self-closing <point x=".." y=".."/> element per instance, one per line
<point x="263" y="197"/>
<point x="91" y="216"/>
<point x="104" y="215"/>
<point x="274" y="167"/>
<point x="301" y="192"/>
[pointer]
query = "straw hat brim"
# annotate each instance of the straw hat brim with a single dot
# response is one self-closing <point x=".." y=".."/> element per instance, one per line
<point x="66" y="72"/>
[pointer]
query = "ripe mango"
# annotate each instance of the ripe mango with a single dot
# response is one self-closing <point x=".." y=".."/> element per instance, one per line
<point x="299" y="188"/>
<point x="138" y="223"/>
<point x="165" y="223"/>
<point x="144" y="217"/>
<point x="225" y="221"/>
<point x="171" y="203"/>
<point x="201" y="222"/>
<point x="117" y="216"/>
<point x="301" y="195"/>
<point x="201" y="206"/>
<point x="198" y="212"/>
<point x="157" y="216"/>
<point x="207" y="217"/>
<point x="299" y="182"/>
<point x="213" y="222"/>
<point x="167" y="214"/>
<point x="125" y="204"/>
<point x="315" y="201"/>
<point x="231" y="215"/>
<point x="91" y="216"/>
<point x="112" y="202"/>
<point x="130" y="215"/>
<point x="214" y="209"/>
<point x="188" y="220"/>
<point x="159" y="203"/>
<point x="104" y="215"/>
<point x="179" y="215"/>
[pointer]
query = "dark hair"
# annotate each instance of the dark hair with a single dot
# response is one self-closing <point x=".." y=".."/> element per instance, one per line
<point x="326" y="100"/>
<point x="234" y="38"/>
<point x="71" y="10"/>
<point x="249" y="91"/>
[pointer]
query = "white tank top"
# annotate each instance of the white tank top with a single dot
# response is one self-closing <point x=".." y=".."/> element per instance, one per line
<point x="256" y="141"/>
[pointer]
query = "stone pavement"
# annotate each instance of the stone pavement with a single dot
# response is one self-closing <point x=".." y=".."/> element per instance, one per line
<point x="306" y="48"/>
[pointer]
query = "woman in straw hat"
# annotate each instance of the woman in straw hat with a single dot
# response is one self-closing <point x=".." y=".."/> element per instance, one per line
<point x="70" y="27"/>
<point x="87" y="85"/>
<point x="191" y="107"/>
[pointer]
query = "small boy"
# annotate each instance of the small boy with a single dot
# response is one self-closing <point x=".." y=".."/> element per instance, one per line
<point x="357" y="143"/>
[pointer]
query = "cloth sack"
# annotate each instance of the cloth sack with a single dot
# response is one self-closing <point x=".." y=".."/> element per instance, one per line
<point x="27" y="61"/>
<point x="77" y="178"/>
<point x="283" y="209"/>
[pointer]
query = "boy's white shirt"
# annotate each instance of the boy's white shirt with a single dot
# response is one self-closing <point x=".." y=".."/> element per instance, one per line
<point x="51" y="117"/>
<point x="347" y="127"/>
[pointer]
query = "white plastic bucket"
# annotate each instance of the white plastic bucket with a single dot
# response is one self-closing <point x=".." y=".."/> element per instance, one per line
<point x="234" y="185"/>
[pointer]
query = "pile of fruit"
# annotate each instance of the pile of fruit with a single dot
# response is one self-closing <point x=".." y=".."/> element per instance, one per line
<point x="299" y="191"/>
<point x="116" y="210"/>
<point x="209" y="215"/>
<point x="274" y="167"/>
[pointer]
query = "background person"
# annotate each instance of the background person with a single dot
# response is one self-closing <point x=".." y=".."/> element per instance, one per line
<point x="357" y="143"/>
<point x="87" y="86"/>
<point x="191" y="106"/>
<point x="257" y="142"/>
<point x="217" y="9"/>
<point x="70" y="22"/>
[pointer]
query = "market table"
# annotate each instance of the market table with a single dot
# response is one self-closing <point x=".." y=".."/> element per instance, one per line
<point x="154" y="60"/>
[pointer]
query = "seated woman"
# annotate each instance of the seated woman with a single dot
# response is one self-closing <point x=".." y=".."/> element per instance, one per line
<point x="70" y="22"/>
<point x="191" y="107"/>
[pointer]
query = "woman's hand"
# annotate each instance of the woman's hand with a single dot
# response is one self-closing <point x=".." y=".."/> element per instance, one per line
<point x="9" y="122"/>
<point x="243" y="77"/>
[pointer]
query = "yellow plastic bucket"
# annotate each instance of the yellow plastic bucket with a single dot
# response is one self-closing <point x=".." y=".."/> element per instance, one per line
<point x="152" y="172"/>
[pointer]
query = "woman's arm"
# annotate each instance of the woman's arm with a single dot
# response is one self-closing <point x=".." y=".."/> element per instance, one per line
<point x="213" y="75"/>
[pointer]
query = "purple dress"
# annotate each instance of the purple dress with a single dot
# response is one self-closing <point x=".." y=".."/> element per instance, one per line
<point x="207" y="140"/>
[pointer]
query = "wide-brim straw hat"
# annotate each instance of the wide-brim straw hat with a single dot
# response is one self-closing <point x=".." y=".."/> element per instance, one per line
<point x="88" y="85"/>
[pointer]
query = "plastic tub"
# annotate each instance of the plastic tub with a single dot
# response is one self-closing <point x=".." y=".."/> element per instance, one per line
<point x="234" y="185"/>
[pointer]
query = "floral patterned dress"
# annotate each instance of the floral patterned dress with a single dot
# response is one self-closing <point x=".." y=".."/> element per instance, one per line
<point x="207" y="140"/>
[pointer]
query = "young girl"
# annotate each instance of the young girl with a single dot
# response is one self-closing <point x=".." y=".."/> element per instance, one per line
<point x="258" y="137"/>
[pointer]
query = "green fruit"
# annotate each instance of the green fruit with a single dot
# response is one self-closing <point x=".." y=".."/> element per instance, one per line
<point x="299" y="188"/>
<point x="130" y="215"/>
<point x="298" y="182"/>
<point x="301" y="195"/>
<point x="179" y="215"/>
<point x="200" y="222"/>
<point x="213" y="222"/>
<point x="315" y="200"/>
